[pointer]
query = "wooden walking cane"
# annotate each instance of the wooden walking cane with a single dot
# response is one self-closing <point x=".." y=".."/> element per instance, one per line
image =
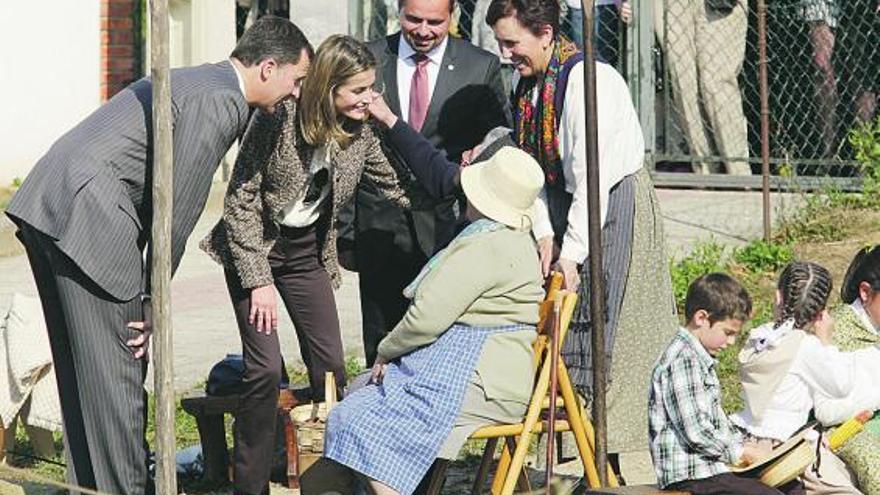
<point x="554" y="385"/>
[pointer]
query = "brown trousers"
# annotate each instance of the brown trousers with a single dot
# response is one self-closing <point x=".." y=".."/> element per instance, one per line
<point x="304" y="286"/>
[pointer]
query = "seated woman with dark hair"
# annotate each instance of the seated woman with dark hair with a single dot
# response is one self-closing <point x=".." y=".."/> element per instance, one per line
<point x="461" y="357"/>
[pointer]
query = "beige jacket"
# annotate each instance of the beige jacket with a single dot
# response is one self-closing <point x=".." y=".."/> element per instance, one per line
<point x="271" y="170"/>
<point x="486" y="280"/>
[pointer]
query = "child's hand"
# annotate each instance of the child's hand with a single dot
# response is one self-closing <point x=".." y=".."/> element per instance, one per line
<point x="752" y="451"/>
<point x="823" y="326"/>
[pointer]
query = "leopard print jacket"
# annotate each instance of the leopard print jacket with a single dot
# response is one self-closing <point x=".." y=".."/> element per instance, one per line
<point x="271" y="170"/>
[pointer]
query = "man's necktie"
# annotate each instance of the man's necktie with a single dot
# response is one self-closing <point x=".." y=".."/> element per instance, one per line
<point x="419" y="96"/>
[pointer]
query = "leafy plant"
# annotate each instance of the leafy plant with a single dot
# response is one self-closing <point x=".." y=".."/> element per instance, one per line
<point x="865" y="140"/>
<point x="762" y="256"/>
<point x="16" y="182"/>
<point x="706" y="257"/>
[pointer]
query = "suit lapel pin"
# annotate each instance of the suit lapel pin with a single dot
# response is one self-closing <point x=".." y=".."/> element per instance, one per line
<point x="450" y="67"/>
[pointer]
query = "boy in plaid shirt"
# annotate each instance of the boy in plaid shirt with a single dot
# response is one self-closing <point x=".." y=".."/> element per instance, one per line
<point x="691" y="439"/>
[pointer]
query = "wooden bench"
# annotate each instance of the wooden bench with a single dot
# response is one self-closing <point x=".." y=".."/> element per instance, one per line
<point x="632" y="490"/>
<point x="209" y="412"/>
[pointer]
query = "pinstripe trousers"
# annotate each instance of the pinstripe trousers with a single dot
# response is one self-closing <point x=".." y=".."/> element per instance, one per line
<point x="100" y="383"/>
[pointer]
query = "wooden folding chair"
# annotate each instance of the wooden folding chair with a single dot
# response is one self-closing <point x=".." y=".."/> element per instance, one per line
<point x="509" y="473"/>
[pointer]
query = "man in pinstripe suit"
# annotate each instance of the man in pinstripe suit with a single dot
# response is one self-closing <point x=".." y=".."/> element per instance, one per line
<point x="84" y="215"/>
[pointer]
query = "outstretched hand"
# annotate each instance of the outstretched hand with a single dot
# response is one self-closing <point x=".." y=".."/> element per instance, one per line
<point x="380" y="111"/>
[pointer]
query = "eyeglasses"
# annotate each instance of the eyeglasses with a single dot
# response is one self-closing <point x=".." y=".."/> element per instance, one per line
<point x="319" y="181"/>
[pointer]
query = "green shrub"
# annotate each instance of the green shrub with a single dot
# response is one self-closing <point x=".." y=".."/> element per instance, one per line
<point x="706" y="257"/>
<point x="865" y="140"/>
<point x="760" y="256"/>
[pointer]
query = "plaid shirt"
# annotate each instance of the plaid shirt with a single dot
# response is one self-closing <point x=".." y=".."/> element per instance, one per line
<point x="690" y="435"/>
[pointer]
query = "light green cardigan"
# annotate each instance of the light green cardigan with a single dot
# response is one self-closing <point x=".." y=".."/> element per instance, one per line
<point x="488" y="279"/>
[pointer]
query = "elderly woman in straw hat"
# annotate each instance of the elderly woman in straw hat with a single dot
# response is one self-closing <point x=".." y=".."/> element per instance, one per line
<point x="461" y="357"/>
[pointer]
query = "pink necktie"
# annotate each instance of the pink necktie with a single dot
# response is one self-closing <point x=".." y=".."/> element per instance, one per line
<point x="418" y="92"/>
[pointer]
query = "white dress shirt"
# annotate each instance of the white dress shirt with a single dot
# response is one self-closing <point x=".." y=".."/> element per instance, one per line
<point x="239" y="77"/>
<point x="298" y="213"/>
<point x="863" y="316"/>
<point x="817" y="369"/>
<point x="621" y="152"/>
<point x="406" y="67"/>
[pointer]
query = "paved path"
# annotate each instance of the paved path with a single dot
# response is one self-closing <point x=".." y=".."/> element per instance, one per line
<point x="205" y="330"/>
<point x="204" y="327"/>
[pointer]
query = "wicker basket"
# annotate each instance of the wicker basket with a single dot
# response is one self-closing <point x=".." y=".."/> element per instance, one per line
<point x="310" y="421"/>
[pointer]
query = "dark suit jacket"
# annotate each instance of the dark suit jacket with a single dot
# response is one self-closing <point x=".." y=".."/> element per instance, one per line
<point x="92" y="191"/>
<point x="435" y="173"/>
<point x="468" y="100"/>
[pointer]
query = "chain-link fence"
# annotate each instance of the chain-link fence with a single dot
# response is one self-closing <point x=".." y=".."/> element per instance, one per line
<point x="823" y="60"/>
<point x="822" y="81"/>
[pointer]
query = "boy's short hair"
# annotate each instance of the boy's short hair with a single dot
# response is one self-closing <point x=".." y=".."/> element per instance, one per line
<point x="721" y="296"/>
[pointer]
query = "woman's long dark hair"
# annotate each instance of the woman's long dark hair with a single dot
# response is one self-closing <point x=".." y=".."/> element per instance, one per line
<point x="865" y="267"/>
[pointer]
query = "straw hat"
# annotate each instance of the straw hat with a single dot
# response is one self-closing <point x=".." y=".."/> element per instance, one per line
<point x="786" y="461"/>
<point x="504" y="187"/>
<point x="790" y="465"/>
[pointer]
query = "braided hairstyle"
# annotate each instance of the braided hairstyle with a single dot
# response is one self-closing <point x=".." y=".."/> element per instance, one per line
<point x="805" y="288"/>
<point x="865" y="267"/>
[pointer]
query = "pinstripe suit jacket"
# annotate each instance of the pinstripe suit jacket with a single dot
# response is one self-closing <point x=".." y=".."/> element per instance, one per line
<point x="92" y="191"/>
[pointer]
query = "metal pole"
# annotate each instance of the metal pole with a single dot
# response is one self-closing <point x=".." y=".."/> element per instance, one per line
<point x="597" y="284"/>
<point x="160" y="245"/>
<point x="765" y="115"/>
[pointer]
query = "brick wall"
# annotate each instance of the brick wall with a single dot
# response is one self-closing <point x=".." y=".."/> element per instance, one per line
<point x="119" y="40"/>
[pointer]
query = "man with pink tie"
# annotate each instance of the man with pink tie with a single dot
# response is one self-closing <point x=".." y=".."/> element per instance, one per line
<point x="429" y="79"/>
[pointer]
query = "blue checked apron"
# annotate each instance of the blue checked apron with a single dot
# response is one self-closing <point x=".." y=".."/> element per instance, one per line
<point x="392" y="432"/>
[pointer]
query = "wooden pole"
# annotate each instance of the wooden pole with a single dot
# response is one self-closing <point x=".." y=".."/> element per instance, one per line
<point x="554" y="386"/>
<point x="597" y="284"/>
<point x="160" y="245"/>
<point x="765" y="116"/>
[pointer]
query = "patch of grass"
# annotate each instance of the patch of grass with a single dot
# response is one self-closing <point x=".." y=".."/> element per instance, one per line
<point x="24" y="456"/>
<point x="5" y="196"/>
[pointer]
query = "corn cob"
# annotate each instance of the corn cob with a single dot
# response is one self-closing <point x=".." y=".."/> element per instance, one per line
<point x="847" y="430"/>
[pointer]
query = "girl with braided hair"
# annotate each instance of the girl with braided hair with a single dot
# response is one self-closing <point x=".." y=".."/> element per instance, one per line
<point x="788" y="362"/>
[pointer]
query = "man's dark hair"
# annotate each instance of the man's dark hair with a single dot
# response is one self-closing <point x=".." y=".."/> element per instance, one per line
<point x="721" y="296"/>
<point x="532" y="14"/>
<point x="272" y="37"/>
<point x="400" y="4"/>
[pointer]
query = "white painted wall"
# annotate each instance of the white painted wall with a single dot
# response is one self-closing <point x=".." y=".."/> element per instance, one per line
<point x="50" y="75"/>
<point x="49" y="78"/>
<point x="318" y="20"/>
